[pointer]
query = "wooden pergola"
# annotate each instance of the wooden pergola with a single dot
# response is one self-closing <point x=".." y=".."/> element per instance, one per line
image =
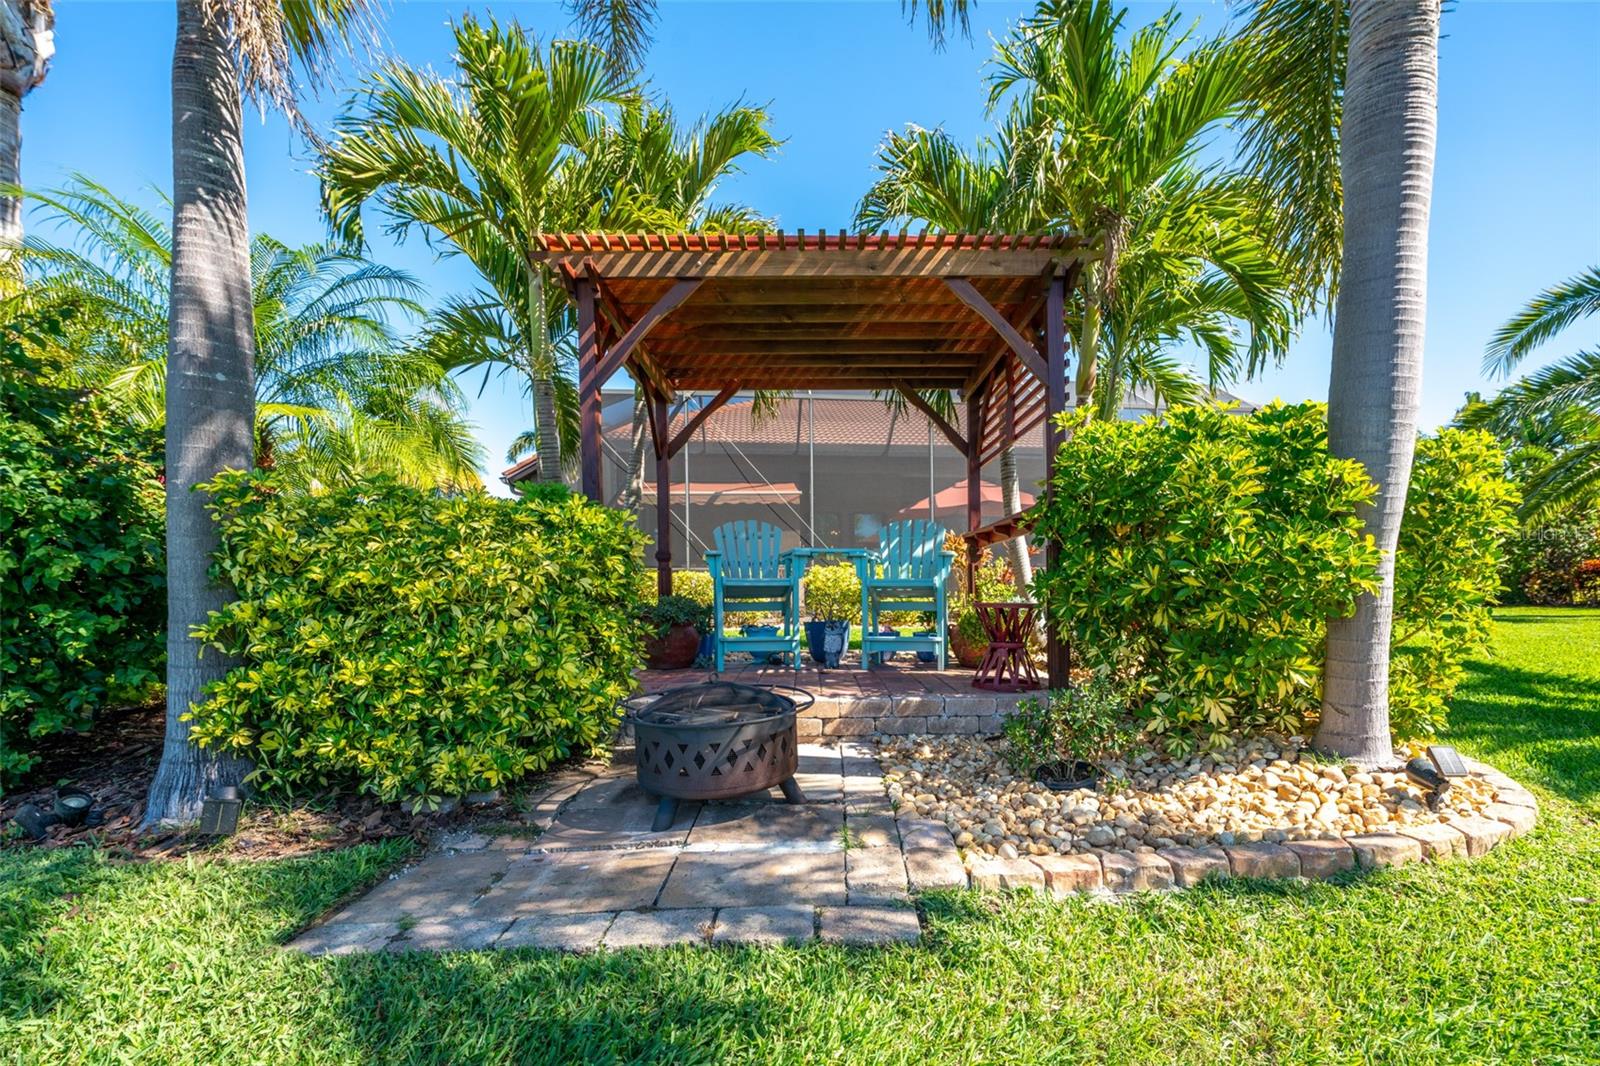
<point x="981" y="315"/>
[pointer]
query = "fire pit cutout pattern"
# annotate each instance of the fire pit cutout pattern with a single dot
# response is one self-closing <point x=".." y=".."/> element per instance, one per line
<point x="718" y="740"/>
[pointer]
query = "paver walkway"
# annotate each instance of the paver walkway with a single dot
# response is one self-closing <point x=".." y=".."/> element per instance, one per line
<point x="753" y="871"/>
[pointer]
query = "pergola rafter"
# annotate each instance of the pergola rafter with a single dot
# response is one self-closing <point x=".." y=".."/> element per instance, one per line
<point x="980" y="315"/>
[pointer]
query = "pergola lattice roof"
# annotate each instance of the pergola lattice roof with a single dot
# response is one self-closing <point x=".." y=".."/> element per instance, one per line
<point x="842" y="311"/>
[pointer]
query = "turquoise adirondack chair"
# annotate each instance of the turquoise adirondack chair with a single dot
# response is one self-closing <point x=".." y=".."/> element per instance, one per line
<point x="909" y="572"/>
<point x="749" y="572"/>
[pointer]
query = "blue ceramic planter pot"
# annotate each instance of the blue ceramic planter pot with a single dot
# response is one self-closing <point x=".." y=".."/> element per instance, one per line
<point x="827" y="641"/>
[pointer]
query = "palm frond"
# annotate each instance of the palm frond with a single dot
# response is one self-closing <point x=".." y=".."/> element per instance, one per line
<point x="1546" y="315"/>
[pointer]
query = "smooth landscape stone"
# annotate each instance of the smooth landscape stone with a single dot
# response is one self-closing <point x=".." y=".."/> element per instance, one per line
<point x="1323" y="858"/>
<point x="443" y="885"/>
<point x="1190" y="866"/>
<point x="1481" y="833"/>
<point x="659" y="929"/>
<point x="755" y="879"/>
<point x="572" y="882"/>
<point x="869" y="926"/>
<point x="875" y="875"/>
<point x="1067" y="875"/>
<point x="764" y="824"/>
<point x="1377" y="850"/>
<point x="456" y="934"/>
<point x="344" y="938"/>
<point x="1262" y="860"/>
<point x="1002" y="874"/>
<point x="557" y="932"/>
<point x="1520" y="819"/>
<point x="929" y="868"/>
<point x="873" y="830"/>
<point x="1135" y="871"/>
<point x="1438" y="840"/>
<point x="783" y="924"/>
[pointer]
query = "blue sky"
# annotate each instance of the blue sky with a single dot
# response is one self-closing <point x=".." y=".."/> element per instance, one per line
<point x="1516" y="196"/>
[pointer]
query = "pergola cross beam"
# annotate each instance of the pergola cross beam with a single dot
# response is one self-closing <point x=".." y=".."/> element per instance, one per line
<point x="968" y="294"/>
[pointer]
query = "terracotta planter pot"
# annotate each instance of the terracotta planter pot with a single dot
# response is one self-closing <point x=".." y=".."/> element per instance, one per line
<point x="675" y="651"/>
<point x="969" y="653"/>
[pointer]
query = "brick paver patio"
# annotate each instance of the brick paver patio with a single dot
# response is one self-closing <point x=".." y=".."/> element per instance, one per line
<point x="753" y="871"/>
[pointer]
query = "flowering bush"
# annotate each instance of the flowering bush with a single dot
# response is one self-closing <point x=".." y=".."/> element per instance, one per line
<point x="412" y="644"/>
<point x="1541" y="561"/>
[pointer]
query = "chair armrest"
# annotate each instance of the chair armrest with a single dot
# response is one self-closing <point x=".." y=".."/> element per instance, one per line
<point x="714" y="564"/>
<point x="794" y="566"/>
<point x="947" y="561"/>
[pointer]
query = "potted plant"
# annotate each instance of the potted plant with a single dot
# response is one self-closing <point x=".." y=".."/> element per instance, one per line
<point x="675" y="624"/>
<point x="1064" y="740"/>
<point x="833" y="600"/>
<point x="968" y="641"/>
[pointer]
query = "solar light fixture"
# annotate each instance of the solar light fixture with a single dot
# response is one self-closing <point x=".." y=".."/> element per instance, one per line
<point x="219" y="813"/>
<point x="72" y="806"/>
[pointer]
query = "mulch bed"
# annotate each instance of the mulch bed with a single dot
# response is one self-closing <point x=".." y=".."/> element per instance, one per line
<point x="115" y="763"/>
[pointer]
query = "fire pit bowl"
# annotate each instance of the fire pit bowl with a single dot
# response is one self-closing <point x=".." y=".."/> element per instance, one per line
<point x="715" y="740"/>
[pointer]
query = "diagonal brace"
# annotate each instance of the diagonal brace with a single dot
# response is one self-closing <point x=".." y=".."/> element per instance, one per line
<point x="968" y="294"/>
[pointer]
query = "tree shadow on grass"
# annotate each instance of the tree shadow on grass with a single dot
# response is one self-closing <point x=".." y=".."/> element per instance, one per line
<point x="1549" y="723"/>
<point x="673" y="1005"/>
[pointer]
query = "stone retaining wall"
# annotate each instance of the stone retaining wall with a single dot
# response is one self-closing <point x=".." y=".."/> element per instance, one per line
<point x="903" y="715"/>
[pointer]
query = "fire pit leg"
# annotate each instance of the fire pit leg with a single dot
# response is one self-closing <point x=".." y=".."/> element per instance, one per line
<point x="666" y="814"/>
<point x="791" y="790"/>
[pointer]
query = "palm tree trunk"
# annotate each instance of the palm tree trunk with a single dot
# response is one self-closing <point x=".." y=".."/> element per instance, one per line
<point x="1088" y="337"/>
<point x="1011" y="500"/>
<point x="10" y="174"/>
<point x="210" y="391"/>
<point x="1386" y="162"/>
<point x="544" y="386"/>
<point x="633" y="487"/>
<point x="27" y="45"/>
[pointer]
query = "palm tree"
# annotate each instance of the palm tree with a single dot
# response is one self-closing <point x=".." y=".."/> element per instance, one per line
<point x="481" y="164"/>
<point x="1107" y="135"/>
<point x="624" y="28"/>
<point x="328" y="361"/>
<point x="1186" y="253"/>
<point x="27" y="44"/>
<point x="223" y="48"/>
<point x="927" y="178"/>
<point x="647" y="173"/>
<point x="1563" y="398"/>
<point x="1371" y="97"/>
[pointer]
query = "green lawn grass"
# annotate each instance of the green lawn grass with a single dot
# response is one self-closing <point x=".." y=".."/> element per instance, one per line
<point x="1497" y="960"/>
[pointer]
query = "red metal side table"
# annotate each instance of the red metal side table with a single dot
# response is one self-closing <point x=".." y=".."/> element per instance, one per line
<point x="1006" y="666"/>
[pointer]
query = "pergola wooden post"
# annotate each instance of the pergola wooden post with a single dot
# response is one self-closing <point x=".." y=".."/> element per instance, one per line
<point x="942" y="312"/>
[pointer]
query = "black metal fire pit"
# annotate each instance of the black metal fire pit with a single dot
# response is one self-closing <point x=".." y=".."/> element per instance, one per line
<point x="716" y="740"/>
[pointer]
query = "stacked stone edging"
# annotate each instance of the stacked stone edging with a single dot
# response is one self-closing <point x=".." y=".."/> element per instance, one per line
<point x="904" y="715"/>
<point x="1108" y="871"/>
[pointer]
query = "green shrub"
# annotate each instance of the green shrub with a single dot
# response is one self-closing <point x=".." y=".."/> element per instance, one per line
<point x="1541" y="561"/>
<point x="544" y="492"/>
<point x="675" y="610"/>
<point x="414" y="644"/>
<point x="82" y="582"/>
<point x="833" y="593"/>
<point x="1198" y="560"/>
<point x="1088" y="722"/>
<point x="1460" y="508"/>
<point x="694" y="585"/>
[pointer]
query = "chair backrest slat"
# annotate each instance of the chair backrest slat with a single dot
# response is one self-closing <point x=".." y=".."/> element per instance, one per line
<point x="910" y="549"/>
<point x="749" y="549"/>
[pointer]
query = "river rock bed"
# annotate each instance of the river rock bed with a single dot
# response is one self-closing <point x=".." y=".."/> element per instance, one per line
<point x="1262" y="789"/>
